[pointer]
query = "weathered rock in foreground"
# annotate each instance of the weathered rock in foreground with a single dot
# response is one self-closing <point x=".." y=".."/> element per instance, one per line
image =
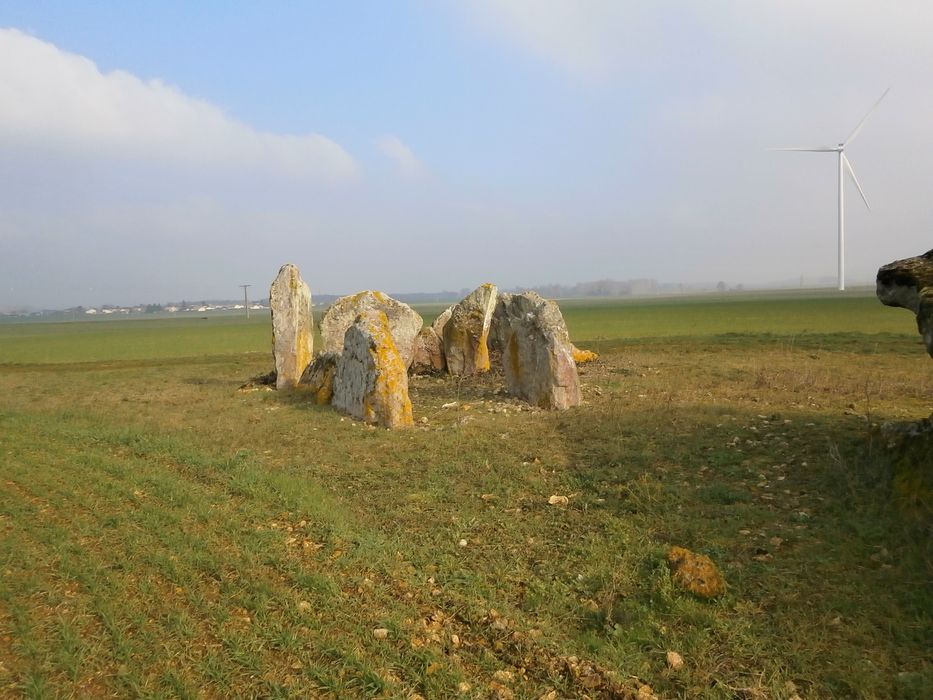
<point x="429" y="352"/>
<point x="371" y="380"/>
<point x="318" y="378"/>
<point x="536" y="352"/>
<point x="466" y="332"/>
<point x="404" y="322"/>
<point x="908" y="283"/>
<point x="292" y="326"/>
<point x="695" y="573"/>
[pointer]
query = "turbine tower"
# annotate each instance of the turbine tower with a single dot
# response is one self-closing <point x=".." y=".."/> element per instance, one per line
<point x="844" y="164"/>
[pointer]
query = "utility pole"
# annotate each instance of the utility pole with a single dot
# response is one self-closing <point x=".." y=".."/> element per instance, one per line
<point x="246" y="298"/>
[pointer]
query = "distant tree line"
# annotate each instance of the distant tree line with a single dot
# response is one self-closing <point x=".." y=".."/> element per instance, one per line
<point x="596" y="288"/>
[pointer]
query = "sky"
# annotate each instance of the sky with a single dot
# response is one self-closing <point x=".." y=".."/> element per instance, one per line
<point x="152" y="152"/>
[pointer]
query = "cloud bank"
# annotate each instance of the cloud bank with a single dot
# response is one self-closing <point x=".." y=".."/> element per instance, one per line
<point x="55" y="101"/>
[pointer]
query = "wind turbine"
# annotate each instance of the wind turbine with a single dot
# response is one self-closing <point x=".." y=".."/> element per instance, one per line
<point x="843" y="164"/>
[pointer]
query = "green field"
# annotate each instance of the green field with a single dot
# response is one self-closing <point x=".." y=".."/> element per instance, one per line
<point x="789" y="316"/>
<point x="164" y="534"/>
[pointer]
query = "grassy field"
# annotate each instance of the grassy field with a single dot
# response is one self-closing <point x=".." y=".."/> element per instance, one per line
<point x="163" y="534"/>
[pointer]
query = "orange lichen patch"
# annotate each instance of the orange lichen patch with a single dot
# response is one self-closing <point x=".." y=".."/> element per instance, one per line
<point x="695" y="573"/>
<point x="303" y="349"/>
<point x="388" y="403"/>
<point x="582" y="356"/>
<point x="481" y="357"/>
<point x="378" y="296"/>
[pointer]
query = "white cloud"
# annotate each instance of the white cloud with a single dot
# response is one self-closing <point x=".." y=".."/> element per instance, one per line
<point x="599" y="39"/>
<point x="590" y="39"/>
<point x="55" y="101"/>
<point x="396" y="150"/>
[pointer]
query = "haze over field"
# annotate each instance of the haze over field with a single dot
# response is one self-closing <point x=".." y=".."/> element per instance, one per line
<point x="149" y="153"/>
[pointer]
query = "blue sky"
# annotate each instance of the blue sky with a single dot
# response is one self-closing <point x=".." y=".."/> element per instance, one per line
<point x="150" y="152"/>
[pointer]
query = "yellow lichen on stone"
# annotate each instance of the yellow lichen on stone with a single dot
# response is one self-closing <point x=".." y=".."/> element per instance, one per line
<point x="695" y="573"/>
<point x="582" y="356"/>
<point x="482" y="352"/>
<point x="303" y="349"/>
<point x="388" y="392"/>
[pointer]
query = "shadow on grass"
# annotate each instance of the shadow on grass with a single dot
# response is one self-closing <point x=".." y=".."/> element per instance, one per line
<point x="858" y="343"/>
<point x="824" y="571"/>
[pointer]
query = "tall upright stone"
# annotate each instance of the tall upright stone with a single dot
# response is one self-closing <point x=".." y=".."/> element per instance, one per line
<point x="404" y="322"/>
<point x="371" y="381"/>
<point x="537" y="356"/>
<point x="292" y="326"/>
<point x="466" y="332"/>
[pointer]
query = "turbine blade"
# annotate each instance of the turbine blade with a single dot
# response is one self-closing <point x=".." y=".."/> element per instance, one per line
<point x="855" y="180"/>
<point x="813" y="149"/>
<point x="859" y="125"/>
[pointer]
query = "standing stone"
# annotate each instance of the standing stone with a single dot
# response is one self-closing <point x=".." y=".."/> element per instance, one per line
<point x="466" y="333"/>
<point x="404" y="322"/>
<point x="429" y="352"/>
<point x="371" y="381"/>
<point x="441" y="321"/>
<point x="292" y="326"/>
<point x="536" y="352"/>
<point x="908" y="283"/>
<point x="318" y="378"/>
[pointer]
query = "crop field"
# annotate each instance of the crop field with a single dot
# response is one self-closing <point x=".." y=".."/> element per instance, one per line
<point x="167" y="534"/>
